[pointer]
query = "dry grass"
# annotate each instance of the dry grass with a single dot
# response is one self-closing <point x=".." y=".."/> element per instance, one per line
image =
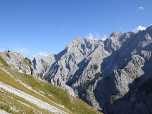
<point x="59" y="96"/>
<point x="3" y="62"/>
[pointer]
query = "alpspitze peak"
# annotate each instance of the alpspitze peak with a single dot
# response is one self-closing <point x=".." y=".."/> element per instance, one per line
<point x="76" y="41"/>
<point x="115" y="33"/>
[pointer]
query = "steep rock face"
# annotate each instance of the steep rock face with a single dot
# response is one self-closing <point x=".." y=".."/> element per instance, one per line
<point x="37" y="64"/>
<point x="61" y="84"/>
<point x="119" y="95"/>
<point x="77" y="63"/>
<point x="117" y="40"/>
<point x="41" y="66"/>
<point x="17" y="62"/>
<point x="105" y="73"/>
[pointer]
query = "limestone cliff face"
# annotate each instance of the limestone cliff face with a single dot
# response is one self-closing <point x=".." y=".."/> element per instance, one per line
<point x="17" y="62"/>
<point x="117" y="93"/>
<point x="104" y="73"/>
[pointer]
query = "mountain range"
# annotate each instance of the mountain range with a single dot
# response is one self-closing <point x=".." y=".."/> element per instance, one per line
<point x="112" y="75"/>
<point x="24" y="92"/>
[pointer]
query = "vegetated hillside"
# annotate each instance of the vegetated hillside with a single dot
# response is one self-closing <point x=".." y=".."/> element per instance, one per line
<point x="23" y="93"/>
<point x="105" y="74"/>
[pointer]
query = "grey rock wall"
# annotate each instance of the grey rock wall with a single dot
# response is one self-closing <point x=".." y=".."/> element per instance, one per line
<point x="105" y="74"/>
<point x="17" y="62"/>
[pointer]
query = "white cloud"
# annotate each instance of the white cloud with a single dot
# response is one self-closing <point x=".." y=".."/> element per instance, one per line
<point x="104" y="38"/>
<point x="90" y="36"/>
<point x="35" y="56"/>
<point x="43" y="54"/>
<point x="93" y="36"/>
<point x="40" y="55"/>
<point x="140" y="8"/>
<point x="96" y="35"/>
<point x="139" y="28"/>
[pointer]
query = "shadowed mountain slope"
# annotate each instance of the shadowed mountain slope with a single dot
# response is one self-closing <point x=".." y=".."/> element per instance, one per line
<point x="103" y="73"/>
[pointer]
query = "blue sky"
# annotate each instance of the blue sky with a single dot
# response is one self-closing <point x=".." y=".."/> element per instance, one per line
<point x="42" y="27"/>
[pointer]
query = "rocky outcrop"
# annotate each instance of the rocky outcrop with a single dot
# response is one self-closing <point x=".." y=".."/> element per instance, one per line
<point x="17" y="62"/>
<point x="31" y="66"/>
<point x="60" y="83"/>
<point x="105" y="74"/>
<point x="42" y="68"/>
<point x="38" y="67"/>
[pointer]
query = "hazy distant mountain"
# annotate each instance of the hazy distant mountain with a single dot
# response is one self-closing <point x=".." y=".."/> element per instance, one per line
<point x="109" y="75"/>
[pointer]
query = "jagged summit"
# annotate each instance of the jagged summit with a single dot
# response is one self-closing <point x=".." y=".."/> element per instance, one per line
<point x="77" y="38"/>
<point x="115" y="34"/>
<point x="102" y="72"/>
<point x="149" y="28"/>
<point x="17" y="62"/>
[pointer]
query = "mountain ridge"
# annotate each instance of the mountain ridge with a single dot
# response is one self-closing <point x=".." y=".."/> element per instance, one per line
<point x="88" y="65"/>
<point x="21" y="92"/>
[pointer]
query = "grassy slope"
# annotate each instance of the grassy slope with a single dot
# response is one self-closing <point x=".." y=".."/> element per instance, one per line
<point x="50" y="92"/>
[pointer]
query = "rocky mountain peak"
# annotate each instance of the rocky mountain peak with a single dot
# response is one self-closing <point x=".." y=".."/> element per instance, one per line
<point x="115" y="34"/>
<point x="77" y="38"/>
<point x="100" y="72"/>
<point x="149" y="28"/>
<point x="17" y="62"/>
<point x="75" y="42"/>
